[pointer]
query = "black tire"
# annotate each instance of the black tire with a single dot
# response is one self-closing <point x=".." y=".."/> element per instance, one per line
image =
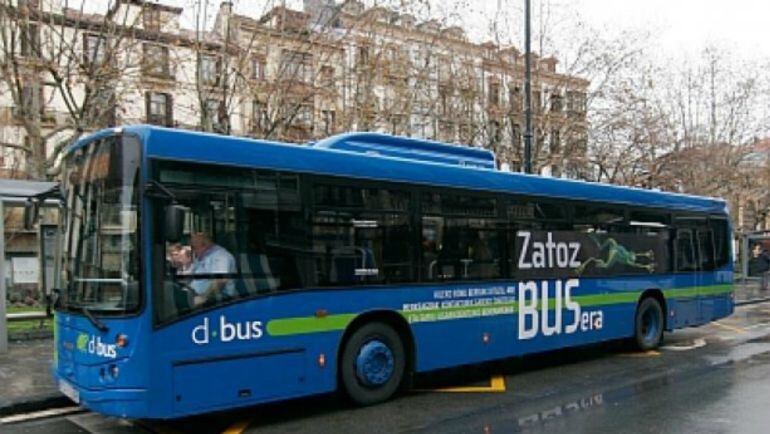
<point x="649" y="323"/>
<point x="357" y="389"/>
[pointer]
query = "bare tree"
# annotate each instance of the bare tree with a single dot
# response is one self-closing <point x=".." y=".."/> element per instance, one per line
<point x="66" y="59"/>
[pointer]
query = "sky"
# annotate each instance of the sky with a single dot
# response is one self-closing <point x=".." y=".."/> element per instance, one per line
<point x="677" y="27"/>
<point x="686" y="26"/>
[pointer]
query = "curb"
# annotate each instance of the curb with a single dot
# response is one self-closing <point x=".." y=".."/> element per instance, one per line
<point x="43" y="403"/>
<point x="752" y="301"/>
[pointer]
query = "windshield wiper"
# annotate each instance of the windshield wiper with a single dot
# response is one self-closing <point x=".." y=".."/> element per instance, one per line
<point x="94" y="320"/>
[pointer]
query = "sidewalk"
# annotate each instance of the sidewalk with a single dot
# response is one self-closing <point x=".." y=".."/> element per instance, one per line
<point x="749" y="291"/>
<point x="26" y="384"/>
<point x="25" y="378"/>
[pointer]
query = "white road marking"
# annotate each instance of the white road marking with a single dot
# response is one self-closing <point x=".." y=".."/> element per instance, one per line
<point x="697" y="343"/>
<point x="26" y="417"/>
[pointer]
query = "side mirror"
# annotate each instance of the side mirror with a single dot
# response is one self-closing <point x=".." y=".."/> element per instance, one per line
<point x="174" y="222"/>
<point x="30" y="213"/>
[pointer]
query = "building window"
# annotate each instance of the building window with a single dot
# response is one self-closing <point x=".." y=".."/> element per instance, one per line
<point x="304" y="116"/>
<point x="514" y="99"/>
<point x="555" y="145"/>
<point x="397" y="123"/>
<point x="105" y="107"/>
<point x="260" y="118"/>
<point x="30" y="5"/>
<point x="444" y="100"/>
<point x="465" y="132"/>
<point x="209" y="66"/>
<point x="257" y="69"/>
<point x="151" y="19"/>
<point x="32" y="101"/>
<point x="328" y="118"/>
<point x="327" y="76"/>
<point x="94" y="47"/>
<point x="297" y="66"/>
<point x="494" y="94"/>
<point x="446" y="131"/>
<point x="495" y="135"/>
<point x="30" y="40"/>
<point x="155" y="60"/>
<point x="516" y="135"/>
<point x="556" y="103"/>
<point x="576" y="102"/>
<point x="537" y="101"/>
<point x="214" y="115"/>
<point x="159" y="108"/>
<point x="363" y="56"/>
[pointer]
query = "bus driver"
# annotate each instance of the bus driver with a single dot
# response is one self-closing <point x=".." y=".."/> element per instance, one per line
<point x="210" y="258"/>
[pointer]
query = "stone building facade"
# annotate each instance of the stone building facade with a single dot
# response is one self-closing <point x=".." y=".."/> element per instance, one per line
<point x="288" y="75"/>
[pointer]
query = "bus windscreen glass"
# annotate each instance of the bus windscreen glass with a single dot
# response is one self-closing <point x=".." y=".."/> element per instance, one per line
<point x="101" y="260"/>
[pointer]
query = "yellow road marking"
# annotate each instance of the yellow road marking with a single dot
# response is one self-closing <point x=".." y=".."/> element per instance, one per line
<point x="496" y="384"/>
<point x="650" y="353"/>
<point x="238" y="427"/>
<point x="729" y="327"/>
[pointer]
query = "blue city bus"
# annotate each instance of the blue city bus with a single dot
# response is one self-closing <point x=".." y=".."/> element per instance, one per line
<point x="202" y="273"/>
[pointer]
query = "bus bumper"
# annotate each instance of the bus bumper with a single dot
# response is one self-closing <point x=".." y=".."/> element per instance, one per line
<point x="124" y="403"/>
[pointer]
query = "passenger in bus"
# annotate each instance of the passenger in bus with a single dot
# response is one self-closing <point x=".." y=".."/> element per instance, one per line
<point x="211" y="259"/>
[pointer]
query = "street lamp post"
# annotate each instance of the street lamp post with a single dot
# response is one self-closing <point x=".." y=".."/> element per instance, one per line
<point x="527" y="90"/>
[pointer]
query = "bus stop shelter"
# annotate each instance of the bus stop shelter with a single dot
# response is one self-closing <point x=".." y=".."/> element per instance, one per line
<point x="14" y="193"/>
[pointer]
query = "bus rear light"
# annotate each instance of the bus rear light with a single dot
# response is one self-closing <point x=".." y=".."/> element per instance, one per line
<point x="485" y="338"/>
<point x="121" y="340"/>
<point x="322" y="360"/>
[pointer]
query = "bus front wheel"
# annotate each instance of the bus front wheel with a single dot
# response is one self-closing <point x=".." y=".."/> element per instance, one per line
<point x="648" y="325"/>
<point x="372" y="364"/>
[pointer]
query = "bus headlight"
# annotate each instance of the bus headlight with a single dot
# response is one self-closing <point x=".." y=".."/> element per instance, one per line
<point x="121" y="340"/>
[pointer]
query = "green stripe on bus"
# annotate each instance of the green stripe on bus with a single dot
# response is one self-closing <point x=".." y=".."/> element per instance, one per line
<point x="312" y="324"/>
<point x="309" y="324"/>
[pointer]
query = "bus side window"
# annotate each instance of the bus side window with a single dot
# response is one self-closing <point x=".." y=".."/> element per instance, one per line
<point x="361" y="235"/>
<point x="706" y="249"/>
<point x="460" y="237"/>
<point x="721" y="238"/>
<point x="272" y="236"/>
<point x="685" y="251"/>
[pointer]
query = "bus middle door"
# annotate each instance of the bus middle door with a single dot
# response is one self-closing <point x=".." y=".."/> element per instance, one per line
<point x="706" y="278"/>
<point x="687" y="279"/>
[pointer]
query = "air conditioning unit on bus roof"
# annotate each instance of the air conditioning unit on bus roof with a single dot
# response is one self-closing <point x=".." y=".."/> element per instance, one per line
<point x="410" y="149"/>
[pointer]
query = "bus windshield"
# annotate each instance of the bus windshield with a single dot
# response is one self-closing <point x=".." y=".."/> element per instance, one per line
<point x="101" y="260"/>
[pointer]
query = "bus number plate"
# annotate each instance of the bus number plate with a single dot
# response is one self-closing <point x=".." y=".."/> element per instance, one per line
<point x="69" y="391"/>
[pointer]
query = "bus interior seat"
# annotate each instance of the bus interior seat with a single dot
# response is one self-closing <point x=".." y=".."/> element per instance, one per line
<point x="256" y="274"/>
<point x="347" y="259"/>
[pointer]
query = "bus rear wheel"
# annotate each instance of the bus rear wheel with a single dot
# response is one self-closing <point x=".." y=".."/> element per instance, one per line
<point x="372" y="364"/>
<point x="648" y="324"/>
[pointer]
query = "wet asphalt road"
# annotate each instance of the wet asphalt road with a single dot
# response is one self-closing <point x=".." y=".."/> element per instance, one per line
<point x="713" y="379"/>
